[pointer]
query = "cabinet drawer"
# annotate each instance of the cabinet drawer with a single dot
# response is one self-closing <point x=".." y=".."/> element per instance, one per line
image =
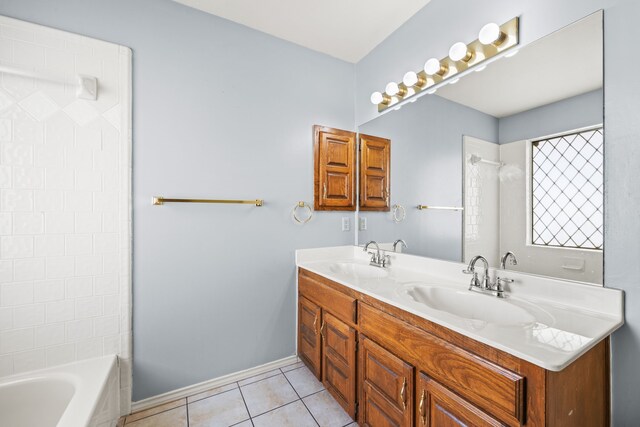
<point x="340" y="305"/>
<point x="438" y="407"/>
<point x="489" y="386"/>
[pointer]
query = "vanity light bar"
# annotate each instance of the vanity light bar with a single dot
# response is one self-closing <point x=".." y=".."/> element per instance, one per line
<point x="492" y="41"/>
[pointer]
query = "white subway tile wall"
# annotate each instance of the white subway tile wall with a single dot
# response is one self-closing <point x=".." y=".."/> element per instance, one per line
<point x="65" y="222"/>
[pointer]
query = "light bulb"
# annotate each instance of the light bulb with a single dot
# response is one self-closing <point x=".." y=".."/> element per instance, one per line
<point x="491" y="34"/>
<point x="410" y="79"/>
<point x="432" y="66"/>
<point x="376" y="98"/>
<point x="392" y="89"/>
<point x="460" y="52"/>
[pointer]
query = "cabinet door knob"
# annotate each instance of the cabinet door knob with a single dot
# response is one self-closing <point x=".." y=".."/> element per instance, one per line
<point x="403" y="396"/>
<point x="423" y="412"/>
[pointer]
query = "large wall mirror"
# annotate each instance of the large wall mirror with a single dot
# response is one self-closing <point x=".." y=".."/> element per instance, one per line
<point x="509" y="158"/>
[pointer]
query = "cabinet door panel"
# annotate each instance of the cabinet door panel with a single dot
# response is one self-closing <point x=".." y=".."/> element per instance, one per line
<point x="437" y="406"/>
<point x="387" y="383"/>
<point x="375" y="163"/>
<point x="339" y="362"/>
<point x="308" y="334"/>
<point x="334" y="174"/>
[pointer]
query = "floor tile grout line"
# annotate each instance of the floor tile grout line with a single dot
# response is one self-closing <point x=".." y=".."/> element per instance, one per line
<point x="245" y="403"/>
<point x="277" y="407"/>
<point x="304" y="404"/>
<point x="187" y="406"/>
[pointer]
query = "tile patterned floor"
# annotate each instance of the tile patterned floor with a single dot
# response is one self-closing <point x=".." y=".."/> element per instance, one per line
<point x="290" y="396"/>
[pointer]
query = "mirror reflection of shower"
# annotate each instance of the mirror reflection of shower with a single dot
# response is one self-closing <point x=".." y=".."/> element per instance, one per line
<point x="505" y="172"/>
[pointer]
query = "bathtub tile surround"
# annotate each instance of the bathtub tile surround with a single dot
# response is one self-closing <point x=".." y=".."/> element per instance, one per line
<point x="65" y="217"/>
<point x="286" y="396"/>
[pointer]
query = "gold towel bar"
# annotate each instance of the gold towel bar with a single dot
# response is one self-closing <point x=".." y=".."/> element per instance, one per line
<point x="161" y="200"/>
<point x="446" y="208"/>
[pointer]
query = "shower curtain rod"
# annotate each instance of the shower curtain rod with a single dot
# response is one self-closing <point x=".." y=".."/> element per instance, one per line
<point x="87" y="86"/>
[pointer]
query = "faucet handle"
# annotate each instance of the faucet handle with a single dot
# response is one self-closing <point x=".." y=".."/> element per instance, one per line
<point x="386" y="261"/>
<point x="467" y="271"/>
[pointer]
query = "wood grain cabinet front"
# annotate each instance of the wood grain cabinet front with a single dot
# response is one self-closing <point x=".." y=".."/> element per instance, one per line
<point x="309" y="334"/>
<point x="339" y="361"/>
<point x="387" y="387"/>
<point x="375" y="173"/>
<point x="436" y="406"/>
<point x="334" y="169"/>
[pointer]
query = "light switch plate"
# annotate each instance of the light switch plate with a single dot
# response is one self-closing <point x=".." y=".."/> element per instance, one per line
<point x="363" y="223"/>
<point x="346" y="223"/>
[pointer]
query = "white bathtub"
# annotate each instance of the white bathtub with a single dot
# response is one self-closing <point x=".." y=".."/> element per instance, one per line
<point x="79" y="394"/>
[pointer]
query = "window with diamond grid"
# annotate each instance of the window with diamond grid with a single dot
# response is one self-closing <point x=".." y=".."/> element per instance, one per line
<point x="567" y="190"/>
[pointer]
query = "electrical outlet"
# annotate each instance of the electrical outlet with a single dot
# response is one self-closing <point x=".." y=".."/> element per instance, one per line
<point x="363" y="223"/>
<point x="346" y="223"/>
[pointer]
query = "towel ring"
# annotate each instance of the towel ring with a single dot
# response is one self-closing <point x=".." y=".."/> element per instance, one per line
<point x="294" y="213"/>
<point x="399" y="213"/>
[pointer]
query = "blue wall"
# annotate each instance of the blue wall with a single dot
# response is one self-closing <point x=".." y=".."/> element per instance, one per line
<point x="220" y="111"/>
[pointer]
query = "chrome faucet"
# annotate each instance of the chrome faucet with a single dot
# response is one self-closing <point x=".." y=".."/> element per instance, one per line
<point x="471" y="269"/>
<point x="485" y="285"/>
<point x="510" y="257"/>
<point x="377" y="260"/>
<point x="402" y="242"/>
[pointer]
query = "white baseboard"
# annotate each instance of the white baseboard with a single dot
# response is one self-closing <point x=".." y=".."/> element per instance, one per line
<point x="169" y="396"/>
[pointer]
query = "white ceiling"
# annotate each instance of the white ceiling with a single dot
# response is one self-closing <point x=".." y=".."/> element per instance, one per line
<point x="347" y="30"/>
<point x="561" y="65"/>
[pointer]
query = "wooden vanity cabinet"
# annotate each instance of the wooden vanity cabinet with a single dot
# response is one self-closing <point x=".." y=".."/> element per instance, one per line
<point x="375" y="173"/>
<point x="387" y="387"/>
<point x="413" y="372"/>
<point x="334" y="169"/>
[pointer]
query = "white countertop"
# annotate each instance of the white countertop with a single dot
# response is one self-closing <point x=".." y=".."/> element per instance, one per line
<point x="569" y="317"/>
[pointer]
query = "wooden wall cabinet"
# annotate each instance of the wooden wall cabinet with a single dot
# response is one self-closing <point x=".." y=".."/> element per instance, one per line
<point x="334" y="169"/>
<point x="375" y="173"/>
<point x="413" y="372"/>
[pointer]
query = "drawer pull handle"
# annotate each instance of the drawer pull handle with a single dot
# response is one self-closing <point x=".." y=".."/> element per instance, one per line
<point x="423" y="412"/>
<point x="315" y="323"/>
<point x="325" y="190"/>
<point x="403" y="396"/>
<point x="322" y="328"/>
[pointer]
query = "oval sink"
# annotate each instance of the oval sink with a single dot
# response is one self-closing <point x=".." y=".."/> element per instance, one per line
<point x="471" y="305"/>
<point x="361" y="271"/>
